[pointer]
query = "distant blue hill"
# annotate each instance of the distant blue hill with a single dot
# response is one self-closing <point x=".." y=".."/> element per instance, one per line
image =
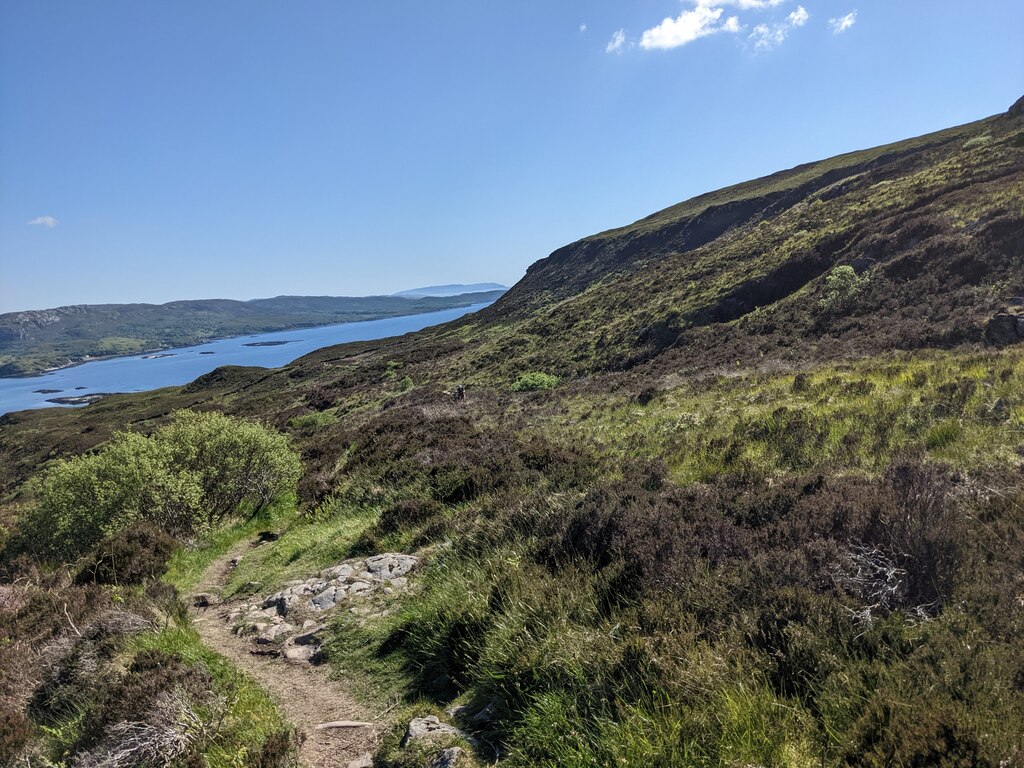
<point x="454" y="289"/>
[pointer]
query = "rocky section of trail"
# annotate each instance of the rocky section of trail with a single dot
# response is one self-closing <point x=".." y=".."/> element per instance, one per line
<point x="273" y="639"/>
<point x="290" y="622"/>
<point x="276" y="639"/>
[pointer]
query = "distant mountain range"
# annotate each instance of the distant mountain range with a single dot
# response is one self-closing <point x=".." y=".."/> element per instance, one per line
<point x="453" y="289"/>
<point x="38" y="340"/>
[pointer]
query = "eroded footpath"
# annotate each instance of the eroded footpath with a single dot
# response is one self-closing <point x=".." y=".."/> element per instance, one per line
<point x="313" y="702"/>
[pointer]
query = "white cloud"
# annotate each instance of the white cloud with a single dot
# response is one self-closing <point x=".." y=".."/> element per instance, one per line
<point x="583" y="27"/>
<point x="743" y="5"/>
<point x="843" y="23"/>
<point x="44" y="221"/>
<point x="768" y="36"/>
<point x="688" y="26"/>
<point x="616" y="43"/>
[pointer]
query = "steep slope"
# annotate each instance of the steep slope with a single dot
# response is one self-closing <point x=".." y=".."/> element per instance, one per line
<point x="738" y="274"/>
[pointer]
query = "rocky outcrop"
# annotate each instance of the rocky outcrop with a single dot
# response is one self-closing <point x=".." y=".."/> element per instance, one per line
<point x="1017" y="110"/>
<point x="1006" y="327"/>
<point x="289" y="623"/>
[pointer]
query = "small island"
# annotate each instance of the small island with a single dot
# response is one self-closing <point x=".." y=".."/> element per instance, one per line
<point x="78" y="399"/>
<point x="271" y="343"/>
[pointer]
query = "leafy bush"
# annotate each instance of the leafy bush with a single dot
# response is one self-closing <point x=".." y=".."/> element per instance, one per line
<point x="843" y="286"/>
<point x="534" y="381"/>
<point x="192" y="473"/>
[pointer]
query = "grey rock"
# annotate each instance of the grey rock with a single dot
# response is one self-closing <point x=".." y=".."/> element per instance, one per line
<point x="363" y="761"/>
<point x="464" y="712"/>
<point x="274" y="633"/>
<point x="447" y="758"/>
<point x="391" y="565"/>
<point x="429" y="728"/>
<point x="204" y="600"/>
<point x="358" y="587"/>
<point x="326" y="599"/>
<point x="301" y="652"/>
<point x="339" y="572"/>
<point x="252" y="627"/>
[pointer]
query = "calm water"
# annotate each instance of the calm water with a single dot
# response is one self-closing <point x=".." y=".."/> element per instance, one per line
<point x="137" y="373"/>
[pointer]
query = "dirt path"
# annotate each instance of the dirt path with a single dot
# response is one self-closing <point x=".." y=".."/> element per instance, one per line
<point x="303" y="692"/>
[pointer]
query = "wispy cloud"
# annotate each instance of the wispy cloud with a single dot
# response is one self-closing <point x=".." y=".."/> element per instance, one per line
<point x="843" y="23"/>
<point x="768" y="36"/>
<point x="688" y="26"/>
<point x="615" y="44"/>
<point x="44" y="221"/>
<point x="583" y="27"/>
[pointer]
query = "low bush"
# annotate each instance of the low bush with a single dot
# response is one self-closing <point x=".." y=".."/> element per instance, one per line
<point x="534" y="381"/>
<point x="843" y="286"/>
<point x="308" y="423"/>
<point x="129" y="557"/>
<point x="15" y="732"/>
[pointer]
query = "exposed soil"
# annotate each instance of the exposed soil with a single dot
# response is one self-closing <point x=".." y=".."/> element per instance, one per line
<point x="304" y="693"/>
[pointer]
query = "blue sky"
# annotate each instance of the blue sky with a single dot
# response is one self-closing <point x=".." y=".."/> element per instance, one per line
<point x="152" y="151"/>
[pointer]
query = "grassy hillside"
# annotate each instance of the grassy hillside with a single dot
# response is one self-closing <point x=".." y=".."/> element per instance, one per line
<point x="738" y="484"/>
<point x="31" y="342"/>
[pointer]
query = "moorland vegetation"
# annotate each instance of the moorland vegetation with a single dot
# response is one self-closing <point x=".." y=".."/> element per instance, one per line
<point x="738" y="484"/>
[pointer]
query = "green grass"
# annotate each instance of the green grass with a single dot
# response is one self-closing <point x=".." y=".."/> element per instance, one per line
<point x="307" y="544"/>
<point x="187" y="565"/>
<point x="854" y="417"/>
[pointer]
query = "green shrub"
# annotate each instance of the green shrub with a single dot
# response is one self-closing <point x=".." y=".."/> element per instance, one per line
<point x="843" y="286"/>
<point x="192" y="473"/>
<point x="534" y="381"/>
<point x="309" y="423"/>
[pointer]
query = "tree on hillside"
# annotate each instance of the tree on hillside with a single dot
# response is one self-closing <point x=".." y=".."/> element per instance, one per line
<point x="190" y="474"/>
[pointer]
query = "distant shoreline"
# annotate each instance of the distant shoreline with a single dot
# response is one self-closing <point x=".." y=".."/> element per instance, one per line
<point x="163" y="348"/>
